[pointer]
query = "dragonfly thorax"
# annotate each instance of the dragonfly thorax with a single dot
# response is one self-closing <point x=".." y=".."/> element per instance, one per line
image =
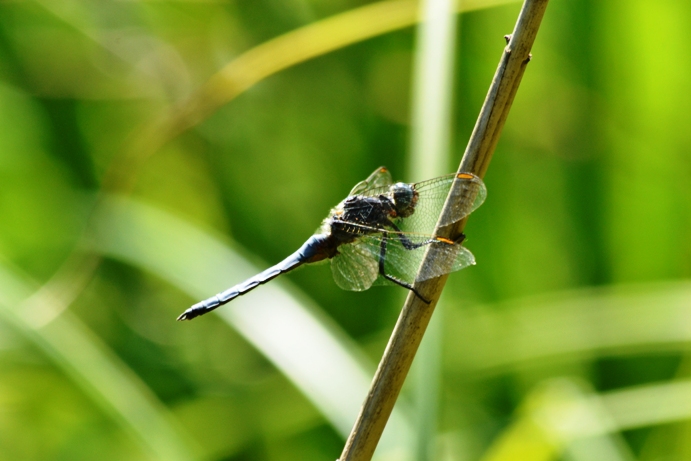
<point x="404" y="198"/>
<point x="359" y="215"/>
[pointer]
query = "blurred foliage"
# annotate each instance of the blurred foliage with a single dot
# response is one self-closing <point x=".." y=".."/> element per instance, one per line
<point x="118" y="203"/>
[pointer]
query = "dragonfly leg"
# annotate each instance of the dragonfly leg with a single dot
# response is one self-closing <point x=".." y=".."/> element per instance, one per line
<point x="382" y="270"/>
<point x="405" y="241"/>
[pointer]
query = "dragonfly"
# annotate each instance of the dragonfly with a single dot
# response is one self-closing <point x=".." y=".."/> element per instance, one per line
<point x="379" y="235"/>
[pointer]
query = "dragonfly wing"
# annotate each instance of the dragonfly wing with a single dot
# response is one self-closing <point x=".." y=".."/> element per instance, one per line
<point x="404" y="263"/>
<point x="468" y="192"/>
<point x="449" y="258"/>
<point x="354" y="267"/>
<point x="379" y="179"/>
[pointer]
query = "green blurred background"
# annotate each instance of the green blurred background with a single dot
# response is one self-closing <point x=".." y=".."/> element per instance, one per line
<point x="121" y="205"/>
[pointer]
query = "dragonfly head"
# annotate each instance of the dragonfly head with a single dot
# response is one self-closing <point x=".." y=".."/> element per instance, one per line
<point x="404" y="199"/>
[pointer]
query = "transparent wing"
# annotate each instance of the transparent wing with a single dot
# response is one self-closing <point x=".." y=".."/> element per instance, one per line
<point x="379" y="179"/>
<point x="450" y="258"/>
<point x="468" y="192"/>
<point x="404" y="263"/>
<point x="354" y="268"/>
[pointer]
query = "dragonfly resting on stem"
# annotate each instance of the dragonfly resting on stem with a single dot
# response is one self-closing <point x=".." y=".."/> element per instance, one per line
<point x="378" y="235"/>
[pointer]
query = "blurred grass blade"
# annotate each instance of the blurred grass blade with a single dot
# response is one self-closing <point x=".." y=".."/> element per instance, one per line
<point x="433" y="90"/>
<point x="96" y="370"/>
<point x="430" y="141"/>
<point x="560" y="418"/>
<point x="570" y="325"/>
<point x="306" y="43"/>
<point x="302" y="342"/>
<point x="648" y="405"/>
<point x="262" y="61"/>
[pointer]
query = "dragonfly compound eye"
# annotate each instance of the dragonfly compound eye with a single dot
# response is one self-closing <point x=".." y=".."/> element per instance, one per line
<point x="404" y="198"/>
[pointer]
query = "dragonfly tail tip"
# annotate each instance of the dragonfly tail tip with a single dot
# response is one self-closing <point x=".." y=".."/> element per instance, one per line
<point x="195" y="311"/>
<point x="185" y="316"/>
